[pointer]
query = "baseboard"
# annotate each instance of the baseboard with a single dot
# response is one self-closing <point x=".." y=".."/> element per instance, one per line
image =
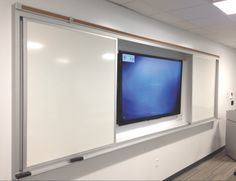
<point x="172" y="177"/>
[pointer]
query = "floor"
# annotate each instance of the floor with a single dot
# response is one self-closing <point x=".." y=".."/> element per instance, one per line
<point x="217" y="167"/>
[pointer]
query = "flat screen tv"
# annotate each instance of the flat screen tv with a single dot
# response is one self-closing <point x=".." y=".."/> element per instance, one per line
<point x="149" y="87"/>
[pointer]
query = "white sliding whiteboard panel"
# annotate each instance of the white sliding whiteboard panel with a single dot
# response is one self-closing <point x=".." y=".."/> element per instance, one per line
<point x="70" y="92"/>
<point x="203" y="88"/>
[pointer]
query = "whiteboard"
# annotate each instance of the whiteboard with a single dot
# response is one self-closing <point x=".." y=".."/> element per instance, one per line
<point x="70" y="92"/>
<point x="203" y="88"/>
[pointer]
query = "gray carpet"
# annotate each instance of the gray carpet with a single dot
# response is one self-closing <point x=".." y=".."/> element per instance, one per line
<point x="232" y="178"/>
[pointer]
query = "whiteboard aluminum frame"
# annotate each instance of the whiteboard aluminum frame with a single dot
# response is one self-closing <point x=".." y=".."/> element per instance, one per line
<point x="20" y="19"/>
<point x="17" y="150"/>
<point x="23" y="70"/>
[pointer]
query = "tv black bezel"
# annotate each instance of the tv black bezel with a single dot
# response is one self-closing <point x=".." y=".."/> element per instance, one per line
<point x="119" y="120"/>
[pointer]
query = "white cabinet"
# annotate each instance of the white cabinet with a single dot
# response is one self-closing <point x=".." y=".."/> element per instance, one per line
<point x="231" y="134"/>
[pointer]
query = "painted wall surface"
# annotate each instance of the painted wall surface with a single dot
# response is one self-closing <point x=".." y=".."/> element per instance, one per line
<point x="5" y="90"/>
<point x="155" y="159"/>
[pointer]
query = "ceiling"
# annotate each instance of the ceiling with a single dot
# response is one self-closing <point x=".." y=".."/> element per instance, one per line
<point x="197" y="16"/>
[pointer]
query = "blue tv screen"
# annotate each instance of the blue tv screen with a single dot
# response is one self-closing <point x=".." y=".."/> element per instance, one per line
<point x="148" y="87"/>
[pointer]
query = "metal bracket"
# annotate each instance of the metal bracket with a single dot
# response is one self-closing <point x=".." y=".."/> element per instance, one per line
<point x="71" y="20"/>
<point x="18" y="6"/>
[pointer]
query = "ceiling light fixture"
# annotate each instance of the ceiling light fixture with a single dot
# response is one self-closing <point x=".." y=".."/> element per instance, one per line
<point x="227" y="6"/>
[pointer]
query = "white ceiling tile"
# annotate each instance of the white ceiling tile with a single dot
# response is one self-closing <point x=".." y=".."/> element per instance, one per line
<point x="165" y="17"/>
<point x="167" y="5"/>
<point x="200" y="31"/>
<point x="120" y="1"/>
<point x="142" y="7"/>
<point x="185" y="25"/>
<point x="232" y="18"/>
<point x="196" y="12"/>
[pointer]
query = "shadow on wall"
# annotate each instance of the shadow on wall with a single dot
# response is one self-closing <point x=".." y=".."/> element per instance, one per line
<point x="86" y="167"/>
<point x="217" y="138"/>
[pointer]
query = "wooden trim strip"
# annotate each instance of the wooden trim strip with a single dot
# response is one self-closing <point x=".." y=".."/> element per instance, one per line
<point x="43" y="12"/>
<point x="100" y="27"/>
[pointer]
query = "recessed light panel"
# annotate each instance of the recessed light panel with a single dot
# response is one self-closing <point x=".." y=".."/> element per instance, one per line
<point x="227" y="6"/>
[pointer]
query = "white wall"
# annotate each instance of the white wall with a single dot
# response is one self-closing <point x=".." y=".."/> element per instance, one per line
<point x="5" y="90"/>
<point x="137" y="162"/>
